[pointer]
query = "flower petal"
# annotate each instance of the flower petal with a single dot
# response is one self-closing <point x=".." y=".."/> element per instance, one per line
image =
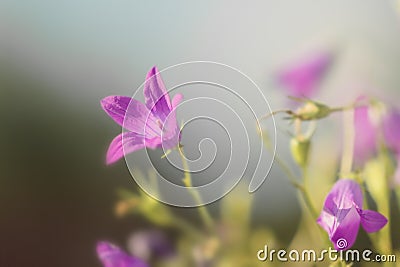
<point x="171" y="133"/>
<point x="372" y="221"/>
<point x="365" y="143"/>
<point x="176" y="100"/>
<point x="156" y="96"/>
<point x="301" y="78"/>
<point x="131" y="114"/>
<point x="153" y="143"/>
<point x="327" y="221"/>
<point x="347" y="230"/>
<point x="122" y="145"/>
<point x="112" y="256"/>
<point x="345" y="194"/>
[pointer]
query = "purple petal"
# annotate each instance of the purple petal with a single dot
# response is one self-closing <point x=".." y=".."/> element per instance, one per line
<point x="327" y="222"/>
<point x="131" y="114"/>
<point x="158" y="101"/>
<point x="372" y="221"/>
<point x="365" y="143"/>
<point x="112" y="256"/>
<point x="123" y="144"/>
<point x="171" y="133"/>
<point x="153" y="143"/>
<point x="176" y="100"/>
<point x="302" y="78"/>
<point x="347" y="230"/>
<point x="391" y="129"/>
<point x="342" y="229"/>
<point x="156" y="96"/>
<point x="344" y="194"/>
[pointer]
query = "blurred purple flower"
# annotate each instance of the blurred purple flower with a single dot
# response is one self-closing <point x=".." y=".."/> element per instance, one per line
<point x="112" y="256"/>
<point x="391" y="131"/>
<point x="302" y="78"/>
<point x="151" y="125"/>
<point x="365" y="142"/>
<point x="148" y="244"/>
<point x="343" y="213"/>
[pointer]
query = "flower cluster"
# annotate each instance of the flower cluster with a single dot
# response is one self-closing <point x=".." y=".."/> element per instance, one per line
<point x="368" y="168"/>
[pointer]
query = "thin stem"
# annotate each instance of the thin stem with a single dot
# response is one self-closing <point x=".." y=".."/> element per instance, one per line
<point x="297" y="127"/>
<point x="287" y="111"/>
<point x="384" y="205"/>
<point x="293" y="180"/>
<point x="285" y="168"/>
<point x="345" y="108"/>
<point x="187" y="180"/>
<point x="306" y="195"/>
<point x="348" y="143"/>
<point x="312" y="126"/>
<point x="300" y="187"/>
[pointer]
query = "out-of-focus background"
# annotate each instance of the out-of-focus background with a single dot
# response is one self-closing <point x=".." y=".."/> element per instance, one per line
<point x="59" y="58"/>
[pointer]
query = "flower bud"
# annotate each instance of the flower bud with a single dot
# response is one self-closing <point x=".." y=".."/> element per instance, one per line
<point x="300" y="148"/>
<point x="313" y="111"/>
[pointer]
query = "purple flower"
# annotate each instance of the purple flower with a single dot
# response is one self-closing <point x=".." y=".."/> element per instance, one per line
<point x="149" y="244"/>
<point x="343" y="213"/>
<point x="365" y="141"/>
<point x="391" y="131"/>
<point x="151" y="125"/>
<point x="302" y="78"/>
<point x="112" y="256"/>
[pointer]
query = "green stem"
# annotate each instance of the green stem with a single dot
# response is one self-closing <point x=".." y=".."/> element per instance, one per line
<point x="293" y="180"/>
<point x="348" y="143"/>
<point x="301" y="187"/>
<point x="187" y="180"/>
<point x="285" y="168"/>
<point x="383" y="205"/>
<point x="287" y="111"/>
<point x="303" y="191"/>
<point x="306" y="195"/>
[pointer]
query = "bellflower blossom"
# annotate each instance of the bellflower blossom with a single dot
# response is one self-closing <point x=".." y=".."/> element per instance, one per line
<point x="343" y="213"/>
<point x="366" y="136"/>
<point x="112" y="256"/>
<point x="151" y="125"/>
<point x="302" y="78"/>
